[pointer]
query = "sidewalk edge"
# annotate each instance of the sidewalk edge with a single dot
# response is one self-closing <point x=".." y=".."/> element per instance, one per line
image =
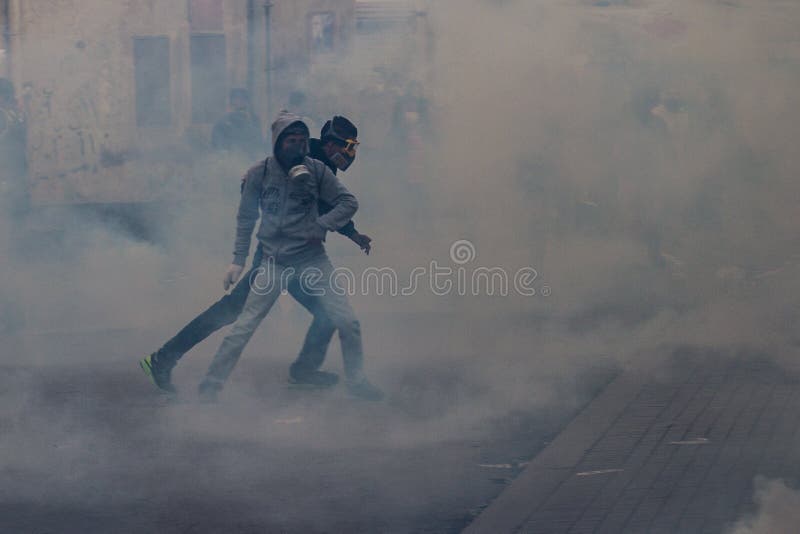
<point x="509" y="511"/>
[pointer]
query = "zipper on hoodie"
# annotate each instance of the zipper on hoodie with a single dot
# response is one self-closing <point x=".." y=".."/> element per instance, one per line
<point x="283" y="212"/>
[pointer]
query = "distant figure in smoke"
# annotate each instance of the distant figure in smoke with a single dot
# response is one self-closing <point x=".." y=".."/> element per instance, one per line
<point x="336" y="148"/>
<point x="664" y="118"/>
<point x="13" y="142"/>
<point x="240" y="129"/>
<point x="411" y="133"/>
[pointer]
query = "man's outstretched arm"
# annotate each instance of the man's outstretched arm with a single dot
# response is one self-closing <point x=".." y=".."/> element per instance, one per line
<point x="343" y="203"/>
<point x="246" y="219"/>
<point x="349" y="230"/>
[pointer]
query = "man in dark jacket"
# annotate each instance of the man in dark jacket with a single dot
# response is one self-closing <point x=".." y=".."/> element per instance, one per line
<point x="336" y="149"/>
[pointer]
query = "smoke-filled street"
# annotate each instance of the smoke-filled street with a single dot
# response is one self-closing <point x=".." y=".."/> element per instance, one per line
<point x="399" y="266"/>
<point x="92" y="450"/>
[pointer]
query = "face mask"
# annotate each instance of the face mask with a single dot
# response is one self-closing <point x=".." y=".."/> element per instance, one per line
<point x="346" y="155"/>
<point x="341" y="161"/>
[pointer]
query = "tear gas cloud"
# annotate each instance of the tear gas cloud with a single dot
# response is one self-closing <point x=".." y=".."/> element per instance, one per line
<point x="645" y="173"/>
<point x="776" y="509"/>
<point x="639" y="156"/>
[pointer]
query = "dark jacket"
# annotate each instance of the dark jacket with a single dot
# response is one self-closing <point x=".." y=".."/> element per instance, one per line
<point x="315" y="152"/>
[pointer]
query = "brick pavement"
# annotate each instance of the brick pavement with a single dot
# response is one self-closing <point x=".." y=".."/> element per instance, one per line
<point x="674" y="448"/>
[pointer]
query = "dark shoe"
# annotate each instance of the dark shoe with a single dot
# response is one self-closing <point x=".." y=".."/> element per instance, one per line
<point x="318" y="379"/>
<point x="159" y="371"/>
<point x="362" y="389"/>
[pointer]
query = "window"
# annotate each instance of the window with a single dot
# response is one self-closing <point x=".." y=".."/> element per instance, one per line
<point x="321" y="28"/>
<point x="151" y="71"/>
<point x="209" y="76"/>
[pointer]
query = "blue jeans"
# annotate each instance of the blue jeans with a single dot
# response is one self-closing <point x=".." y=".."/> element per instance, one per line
<point x="227" y="309"/>
<point x="267" y="286"/>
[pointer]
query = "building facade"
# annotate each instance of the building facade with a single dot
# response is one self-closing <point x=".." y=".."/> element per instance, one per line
<point x="119" y="96"/>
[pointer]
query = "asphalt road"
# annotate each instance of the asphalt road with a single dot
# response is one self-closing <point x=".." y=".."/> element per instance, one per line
<point x="93" y="448"/>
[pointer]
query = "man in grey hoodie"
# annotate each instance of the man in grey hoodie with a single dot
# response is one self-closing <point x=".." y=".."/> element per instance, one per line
<point x="286" y="189"/>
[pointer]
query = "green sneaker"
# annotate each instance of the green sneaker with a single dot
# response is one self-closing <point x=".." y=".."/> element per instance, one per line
<point x="159" y="372"/>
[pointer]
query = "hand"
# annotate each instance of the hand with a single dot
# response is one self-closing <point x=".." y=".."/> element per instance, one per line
<point x="364" y="242"/>
<point x="233" y="274"/>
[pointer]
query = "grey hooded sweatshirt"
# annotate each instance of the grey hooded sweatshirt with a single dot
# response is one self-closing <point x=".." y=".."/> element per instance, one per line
<point x="291" y="229"/>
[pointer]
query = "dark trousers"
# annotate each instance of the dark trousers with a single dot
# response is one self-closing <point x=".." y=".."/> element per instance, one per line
<point x="227" y="309"/>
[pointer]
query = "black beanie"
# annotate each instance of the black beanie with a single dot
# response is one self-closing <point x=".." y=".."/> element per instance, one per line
<point x="339" y="128"/>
